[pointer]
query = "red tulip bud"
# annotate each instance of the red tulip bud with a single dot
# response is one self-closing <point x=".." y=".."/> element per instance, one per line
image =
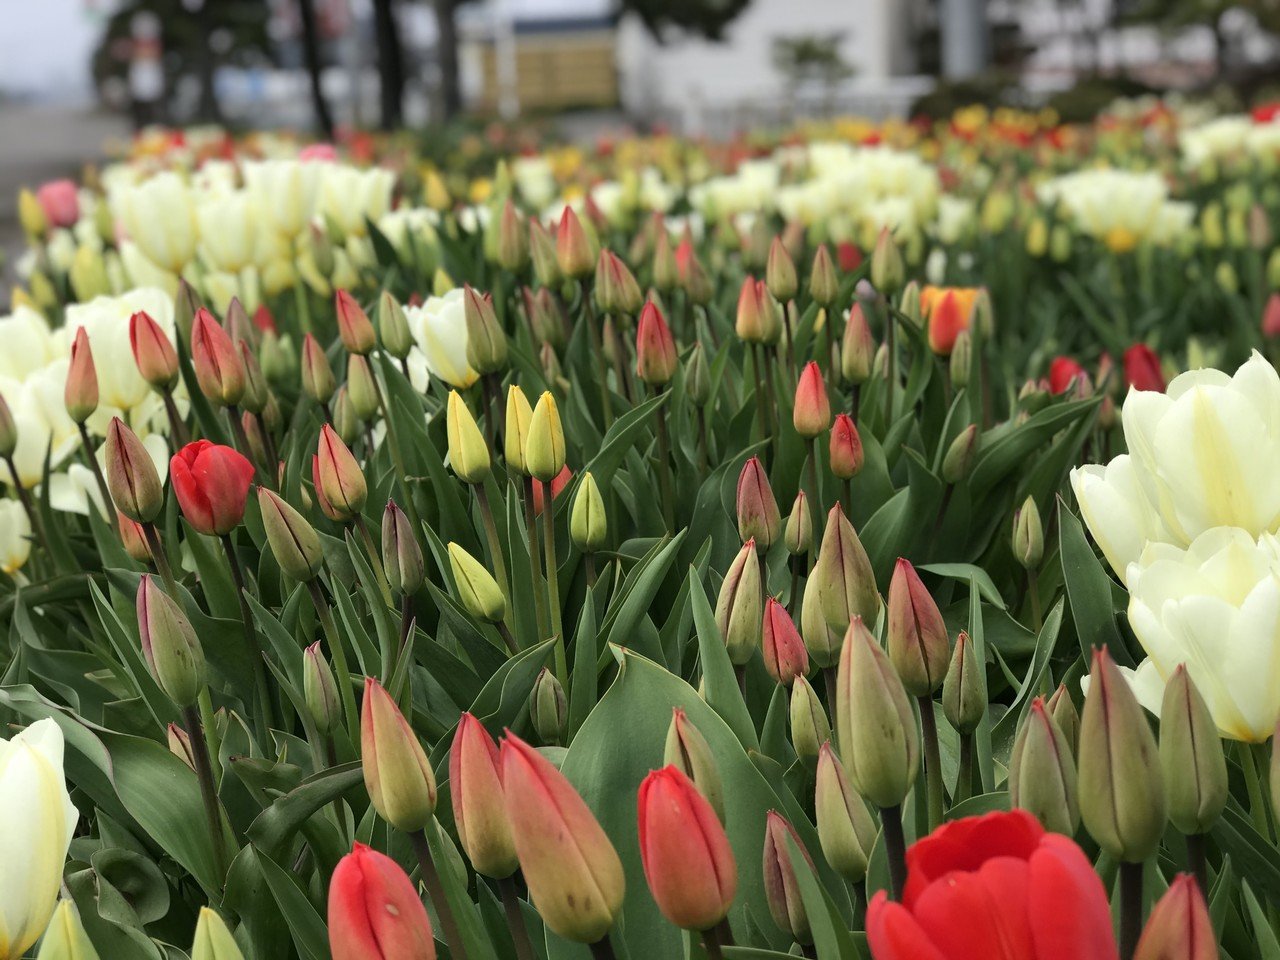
<point x="846" y="448"/>
<point x="1179" y="927"/>
<point x="946" y="320"/>
<point x="1142" y="369"/>
<point x="1271" y="317"/>
<point x="152" y="352"/>
<point x="812" y="412"/>
<point x="918" y="643"/>
<point x="133" y="539"/>
<point x="375" y="912"/>
<point x="616" y="287"/>
<point x="758" y="515"/>
<point x="217" y="364"/>
<point x="132" y="479"/>
<point x="354" y="327"/>
<point x="81" y="391"/>
<point x="781" y="887"/>
<point x="475" y="785"/>
<point x="785" y="655"/>
<point x="338" y="476"/>
<point x="574" y="253"/>
<point x="655" y="349"/>
<point x="1063" y="373"/>
<point x="211" y="483"/>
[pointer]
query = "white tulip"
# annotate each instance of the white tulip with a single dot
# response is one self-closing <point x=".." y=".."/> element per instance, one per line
<point x="440" y="328"/>
<point x="39" y="410"/>
<point x="228" y="229"/>
<point x="285" y="192"/>
<point x="37" y="820"/>
<point x="15" y="536"/>
<point x="29" y="344"/>
<point x="159" y="216"/>
<point x="106" y="321"/>
<point x="348" y="196"/>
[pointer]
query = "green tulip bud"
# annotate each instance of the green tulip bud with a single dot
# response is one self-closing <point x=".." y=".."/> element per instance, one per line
<point x="293" y="540"/>
<point x="548" y="708"/>
<point x="65" y="937"/>
<point x="1042" y="773"/>
<point x="393" y="327"/>
<point x="781" y="887"/>
<point x="1065" y="715"/>
<point x="687" y="749"/>
<point x="544" y="452"/>
<point x="362" y="390"/>
<point x="810" y="728"/>
<point x="846" y="829"/>
<point x="486" y="341"/>
<point x="798" y="533"/>
<point x="401" y="555"/>
<point x="1195" y="767"/>
<point x="959" y="457"/>
<point x="478" y="591"/>
<point x="345" y="422"/>
<point x="961" y="359"/>
<point x="468" y="452"/>
<point x="843" y="576"/>
<point x="780" y="272"/>
<point x="588" y="527"/>
<point x="964" y="692"/>
<point x="320" y="690"/>
<point x="909" y="304"/>
<point x="169" y="644"/>
<point x="824" y="285"/>
<point x="697" y="376"/>
<point x="740" y="607"/>
<point x="887" y="269"/>
<point x="213" y="940"/>
<point x="1028" y="535"/>
<point x="132" y="479"/>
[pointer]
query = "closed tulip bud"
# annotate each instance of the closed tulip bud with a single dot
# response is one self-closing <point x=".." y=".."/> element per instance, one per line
<point x="397" y="773"/>
<point x="1271" y="317"/>
<point x="513" y="239"/>
<point x="88" y="274"/>
<point x="552" y="372"/>
<point x="256" y="393"/>
<point x="822" y="643"/>
<point x="685" y="852"/>
<point x="785" y="656"/>
<point x="810" y="728"/>
<point x="320" y="690"/>
<point x="186" y="304"/>
<point x="780" y="272"/>
<point x="375" y="912"/>
<point x="1179" y="927"/>
<point x="574" y="875"/>
<point x="435" y="193"/>
<point x="441" y="282"/>
<point x="294" y="542"/>
<point x="81" y="391"/>
<point x="887" y="269"/>
<point x="486" y="341"/>
<point x="544" y="453"/>
<point x="478" y="591"/>
<point x="824" y="285"/>
<point x="697" y="376"/>
<point x="213" y="939"/>
<point x="1122" y="797"/>
<point x="1195" y="768"/>
<point x="656" y="359"/>
<point x="845" y="448"/>
<point x="811" y="414"/>
<point x="31" y="216"/>
<point x="238" y="325"/>
<point x="218" y="368"/>
<point x="180" y="744"/>
<point x="961" y="359"/>
<point x="858" y="349"/>
<point x="964" y="691"/>
<point x="1028" y="535"/>
<point x="846" y="829"/>
<point x="758" y="515"/>
<point x="616" y="287"/>
<point x="8" y="430"/>
<point x="960" y="455"/>
<point x="548" y="708"/>
<point x="354" y="328"/>
<point x="666" y="274"/>
<point x="917" y="636"/>
<point x="43" y="292"/>
<point x="133" y="538"/>
<point x="574" y="249"/>
<point x="345" y="422"/>
<point x="752" y="322"/>
<point x="798" y="533"/>
<point x="1065" y="715"/>
<point x="781" y="887"/>
<point x="542" y="251"/>
<point x="169" y="644"/>
<point x="65" y="938"/>
<point x="393" y="327"/>
<point x="588" y="526"/>
<point x="362" y="390"/>
<point x="1042" y="773"/>
<point x="318" y="381"/>
<point x="132" y="479"/>
<point x="875" y="724"/>
<point x="401" y="554"/>
<point x="468" y="452"/>
<point x="152" y="352"/>
<point x="687" y="750"/>
<point x="842" y="576"/>
<point x="279" y="359"/>
<point x="475" y="786"/>
<point x="516" y="435"/>
<point x="340" y="479"/>
<point x="739" y="613"/>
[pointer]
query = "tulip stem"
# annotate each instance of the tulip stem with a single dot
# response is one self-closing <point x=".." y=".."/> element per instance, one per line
<point x="597" y="351"/>
<point x="793" y="598"/>
<point x="242" y="443"/>
<point x="435" y="890"/>
<point x="491" y="534"/>
<point x="1033" y="588"/>
<point x="664" y="469"/>
<point x="711" y="941"/>
<point x="892" y="373"/>
<point x="24" y="497"/>
<point x="375" y="559"/>
<point x="1130" y="908"/>
<point x="964" y="776"/>
<point x="932" y="762"/>
<point x="895" y="847"/>
<point x="1196" y="862"/>
<point x="251" y="638"/>
<point x="339" y="653"/>
<point x="553" y="586"/>
<point x="789" y="311"/>
<point x="177" y="429"/>
<point x="397" y="458"/>
<point x="86" y="446"/>
<point x="589" y="561"/>
<point x="535" y="559"/>
<point x="508" y="640"/>
<point x="208" y="792"/>
<point x="515" y="919"/>
<point x="161" y="560"/>
<point x="815" y="504"/>
<point x="602" y="949"/>
<point x="761" y="412"/>
<point x="1253" y="784"/>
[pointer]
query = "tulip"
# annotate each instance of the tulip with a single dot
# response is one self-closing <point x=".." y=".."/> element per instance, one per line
<point x="131" y="475"/>
<point x="588" y="526"/>
<point x="213" y="940"/>
<point x="475" y="786"/>
<point x="693" y="278"/>
<point x="439" y="328"/>
<point x="318" y="381"/>
<point x="1122" y="799"/>
<point x="810" y="728"/>
<point x="616" y="287"/>
<point x="513" y="239"/>
<point x="947" y="318"/>
<point x="338" y="476"/>
<point x="656" y="359"/>
<point x="887" y="268"/>
<point x="39" y="820"/>
<point x="781" y="887"/>
<point x="320" y="690"/>
<point x="780" y="272"/>
<point x="964" y="691"/>
<point x="687" y="750"/>
<point x="574" y="254"/>
<point x="548" y="707"/>
<point x="81" y="392"/>
<point x="824" y="285"/>
<point x="961" y="363"/>
<point x="60" y="201"/>
<point x="401" y="556"/>
<point x="845" y="448"/>
<point x="133" y="538"/>
<point x="519" y="415"/>
<point x="478" y="591"/>
<point x="686" y="856"/>
<point x="393" y="327"/>
<point x="397" y="774"/>
<point x="1271" y="317"/>
<point x="858" y="349"/>
<point x="758" y="516"/>
<point x="1191" y="756"/>
<point x="665" y="272"/>
<point x="1064" y="373"/>
<point x="217" y="363"/>
<point x="1064" y="714"/>
<point x="375" y="912"/>
<point x="544" y="452"/>
<point x="354" y="327"/>
<point x="293" y="541"/>
<point x="211" y="483"/>
<point x="918" y="645"/>
<point x="1042" y="773"/>
<point x="842" y="576"/>
<point x="812" y="412"/>
<point x="486" y="340"/>
<point x="65" y="939"/>
<point x="846" y="829"/>
<point x="798" y="533"/>
<point x="1014" y="890"/>
<point x="960" y="455"/>
<point x="1028" y="535"/>
<point x="1142" y="369"/>
<point x="31" y="216"/>
<point x="542" y="251"/>
<point x="574" y="875"/>
<point x="152" y="352"/>
<point x="785" y="656"/>
<point x="169" y="644"/>
<point x="1179" y="927"/>
<point x="738" y="607"/>
<point x="158" y="214"/>
<point x="752" y="321"/>
<point x="362" y="389"/>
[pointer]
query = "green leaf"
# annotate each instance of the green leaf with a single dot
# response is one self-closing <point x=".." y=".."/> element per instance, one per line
<point x="1264" y="935"/>
<point x="1088" y="590"/>
<point x="310" y="934"/>
<point x="276" y="825"/>
<point x="720" y="684"/>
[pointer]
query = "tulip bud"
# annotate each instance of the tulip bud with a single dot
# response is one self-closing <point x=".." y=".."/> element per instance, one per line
<point x="318" y="381"/>
<point x="687" y="750"/>
<point x="574" y="253"/>
<point x="738" y="607"/>
<point x="513" y="239"/>
<point x="858" y="348"/>
<point x="665" y="272"/>
<point x="656" y="358"/>
<point x="8" y="430"/>
<point x="752" y="321"/>
<point x="486" y="341"/>
<point x="1195" y="768"/>
<point x="475" y="786"/>
<point x="887" y="269"/>
<point x="393" y="327"/>
<point x="152" y="352"/>
<point x="354" y="328"/>
<point x="842" y="575"/>
<point x="345" y="422"/>
<point x="798" y="534"/>
<point x="876" y="726"/>
<point x="468" y="452"/>
<point x="780" y="272"/>
<point x="910" y="304"/>
<point x="375" y="912"/>
<point x="542" y="251"/>
<point x="1028" y="535"/>
<point x="552" y="372"/>
<point x="279" y="359"/>
<point x="180" y="744"/>
<point x="339" y="477"/>
<point x="960" y="455"/>
<point x="964" y="691"/>
<point x="781" y="887"/>
<point x="574" y="875"/>
<point x="1122" y="797"/>
<point x="81" y="391"/>
<point x="548" y="708"/>
<point x="917" y="636"/>
<point x="320" y="690"/>
<point x="65" y="937"/>
<point x="961" y="359"/>
<point x="810" y="728"/>
<point x="588" y="526"/>
<point x="846" y="829"/>
<point x="362" y="390"/>
<point x="133" y="539"/>
<point x="824" y="285"/>
<point x="217" y="363"/>
<point x="170" y="644"/>
<point x="478" y="591"/>
<point x="1065" y="715"/>
<point x="616" y="287"/>
<point x="213" y="940"/>
<point x="697" y="376"/>
<point x="294" y="542"/>
<point x="544" y="452"/>
<point x="758" y="516"/>
<point x="1179" y="927"/>
<point x="845" y="448"/>
<point x="132" y="479"/>
<point x="820" y="641"/>
<point x="88" y="274"/>
<point x="401" y="554"/>
<point x="785" y="656"/>
<point x="397" y="773"/>
<point x="256" y="394"/>
<point x="812" y="412"/>
<point x="31" y="217"/>
<point x="43" y="292"/>
<point x="1042" y="773"/>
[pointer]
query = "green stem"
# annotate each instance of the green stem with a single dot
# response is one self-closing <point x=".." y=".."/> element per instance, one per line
<point x="815" y="504"/>
<point x="86" y="447"/>
<point x="762" y="412"/>
<point x="208" y="792"/>
<point x="515" y="919"/>
<point x="177" y="429"/>
<point x="265" y="709"/>
<point x="597" y="351"/>
<point x="535" y="559"/>
<point x="932" y="762"/>
<point x="1037" y="610"/>
<point x="24" y="497"/>
<point x="375" y="558"/>
<point x="160" y="559"/>
<point x="242" y="444"/>
<point x="304" y="308"/>
<point x="553" y="586"/>
<point x="397" y="458"/>
<point x="964" y="778"/>
<point x="339" y="654"/>
<point x="664" y="468"/>
<point x="1130" y="908"/>
<point x="435" y="890"/>
<point x="491" y="534"/>
<point x="602" y="949"/>
<point x="895" y="846"/>
<point x="1196" y="862"/>
<point x="1253" y="784"/>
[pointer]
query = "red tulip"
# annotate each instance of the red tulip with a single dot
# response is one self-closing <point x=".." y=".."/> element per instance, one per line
<point x="1179" y="927"/>
<point x="211" y="483"/>
<point x="375" y="912"/>
<point x="573" y="249"/>
<point x="656" y="358"/>
<point x="1063" y="371"/>
<point x="475" y="786"/>
<point x="947" y="318"/>
<point x="758" y="516"/>
<point x="785" y="655"/>
<point x="1016" y="892"/>
<point x="1142" y="369"/>
<point x="216" y="360"/>
<point x="812" y="412"/>
<point x="845" y="448"/>
<point x="686" y="855"/>
<point x="1271" y="317"/>
<point x="752" y="324"/>
<point x="60" y="201"/>
<point x="152" y="351"/>
<point x="264" y="320"/>
<point x="558" y="484"/>
<point x="353" y="324"/>
<point x="849" y="256"/>
<point x="80" y="394"/>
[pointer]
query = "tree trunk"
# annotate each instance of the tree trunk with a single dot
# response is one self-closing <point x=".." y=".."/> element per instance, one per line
<point x="450" y="94"/>
<point x="390" y="63"/>
<point x="311" y="53"/>
<point x="208" y="110"/>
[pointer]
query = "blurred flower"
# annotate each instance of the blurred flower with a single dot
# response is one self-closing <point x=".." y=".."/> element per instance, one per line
<point x="439" y="328"/>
